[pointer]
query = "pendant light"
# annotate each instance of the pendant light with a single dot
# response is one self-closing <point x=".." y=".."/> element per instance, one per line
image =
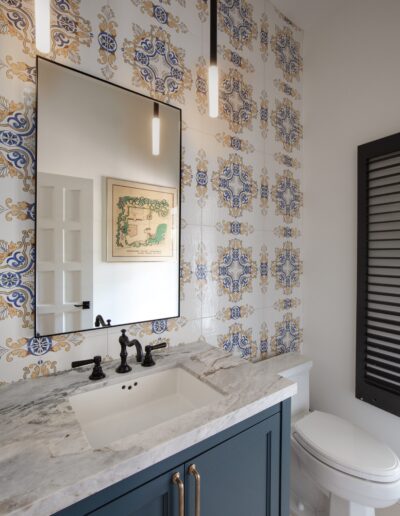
<point x="156" y="129"/>
<point x="213" y="68"/>
<point x="42" y="25"/>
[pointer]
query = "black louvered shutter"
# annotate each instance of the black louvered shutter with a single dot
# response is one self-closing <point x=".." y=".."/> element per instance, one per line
<point x="378" y="288"/>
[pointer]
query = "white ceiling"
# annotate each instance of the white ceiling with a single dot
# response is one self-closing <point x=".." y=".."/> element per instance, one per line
<point x="306" y="13"/>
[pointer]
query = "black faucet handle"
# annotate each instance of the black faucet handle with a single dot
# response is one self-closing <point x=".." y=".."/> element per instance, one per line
<point x="156" y="346"/>
<point x="79" y="363"/>
<point x="148" y="360"/>
<point x="97" y="373"/>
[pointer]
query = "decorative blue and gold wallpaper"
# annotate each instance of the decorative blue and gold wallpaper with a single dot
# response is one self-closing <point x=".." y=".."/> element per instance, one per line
<point x="241" y="267"/>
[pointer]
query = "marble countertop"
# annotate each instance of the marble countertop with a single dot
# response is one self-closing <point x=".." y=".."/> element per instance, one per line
<point x="42" y="446"/>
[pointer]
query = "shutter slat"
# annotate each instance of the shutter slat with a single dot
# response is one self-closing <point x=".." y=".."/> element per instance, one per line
<point x="385" y="321"/>
<point x="389" y="340"/>
<point x="383" y="374"/>
<point x="377" y="354"/>
<point x="386" y="185"/>
<point x="385" y="312"/>
<point x="383" y="365"/>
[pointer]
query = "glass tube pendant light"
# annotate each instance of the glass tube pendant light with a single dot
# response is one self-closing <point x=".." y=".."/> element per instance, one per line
<point x="213" y="68"/>
<point x="42" y="25"/>
<point x="156" y="129"/>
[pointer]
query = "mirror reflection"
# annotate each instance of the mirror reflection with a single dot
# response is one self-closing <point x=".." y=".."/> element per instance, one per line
<point x="108" y="179"/>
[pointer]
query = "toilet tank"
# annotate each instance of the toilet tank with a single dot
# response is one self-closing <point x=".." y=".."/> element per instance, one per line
<point x="301" y="375"/>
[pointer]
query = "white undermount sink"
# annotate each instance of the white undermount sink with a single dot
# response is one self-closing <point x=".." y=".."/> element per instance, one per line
<point x="113" y="412"/>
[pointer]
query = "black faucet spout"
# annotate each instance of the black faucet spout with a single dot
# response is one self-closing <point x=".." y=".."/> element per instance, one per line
<point x="99" y="321"/>
<point x="139" y="349"/>
<point x="125" y="342"/>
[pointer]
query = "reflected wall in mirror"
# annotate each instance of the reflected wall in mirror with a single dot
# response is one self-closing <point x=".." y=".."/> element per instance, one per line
<point x="108" y="208"/>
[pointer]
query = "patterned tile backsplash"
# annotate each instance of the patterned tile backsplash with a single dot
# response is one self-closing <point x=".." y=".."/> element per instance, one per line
<point x="241" y="267"/>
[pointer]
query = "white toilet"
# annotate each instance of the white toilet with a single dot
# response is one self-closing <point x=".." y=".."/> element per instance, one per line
<point x="338" y="469"/>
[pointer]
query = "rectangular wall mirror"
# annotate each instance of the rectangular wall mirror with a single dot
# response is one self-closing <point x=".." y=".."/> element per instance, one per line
<point x="108" y="206"/>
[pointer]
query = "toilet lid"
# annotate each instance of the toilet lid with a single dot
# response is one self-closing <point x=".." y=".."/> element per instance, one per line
<point x="346" y="447"/>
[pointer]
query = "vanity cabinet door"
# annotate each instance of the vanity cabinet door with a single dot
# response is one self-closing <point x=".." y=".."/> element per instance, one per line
<point x="240" y="477"/>
<point x="159" y="497"/>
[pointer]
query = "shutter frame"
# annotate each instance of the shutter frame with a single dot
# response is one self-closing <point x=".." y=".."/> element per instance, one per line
<point x="369" y="389"/>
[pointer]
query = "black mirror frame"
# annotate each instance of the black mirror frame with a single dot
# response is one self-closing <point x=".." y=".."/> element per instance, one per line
<point x="40" y="58"/>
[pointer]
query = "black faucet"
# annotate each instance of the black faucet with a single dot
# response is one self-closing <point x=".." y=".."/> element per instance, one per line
<point x="97" y="373"/>
<point x="100" y="321"/>
<point x="124" y="341"/>
<point x="148" y="360"/>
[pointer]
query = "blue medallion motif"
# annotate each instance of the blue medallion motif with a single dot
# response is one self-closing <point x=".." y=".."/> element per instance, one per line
<point x="288" y="129"/>
<point x="17" y="133"/>
<point x="239" y="340"/>
<point x="201" y="178"/>
<point x="66" y="23"/>
<point x="236" y="228"/>
<point x="236" y="59"/>
<point x="157" y="64"/>
<point x="264" y="269"/>
<point x="234" y="270"/>
<point x="9" y="280"/>
<point x="17" y="278"/>
<point x="39" y="345"/>
<point x="264" y="345"/>
<point x="236" y="143"/>
<point x="237" y="22"/>
<point x="159" y="326"/>
<point x="264" y="114"/>
<point x="235" y="186"/>
<point x="264" y="191"/>
<point x="288" y="335"/>
<point x="160" y="14"/>
<point x="287" y="196"/>
<point x="287" y="52"/>
<point x="238" y="106"/>
<point x="235" y="312"/>
<point x="201" y="271"/>
<point x="107" y="42"/>
<point x="287" y="267"/>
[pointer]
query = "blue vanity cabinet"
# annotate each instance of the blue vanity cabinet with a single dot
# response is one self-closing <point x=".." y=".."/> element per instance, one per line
<point x="244" y="471"/>
<point x="240" y="477"/>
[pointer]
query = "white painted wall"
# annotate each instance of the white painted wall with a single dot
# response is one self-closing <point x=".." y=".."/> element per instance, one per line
<point x="351" y="96"/>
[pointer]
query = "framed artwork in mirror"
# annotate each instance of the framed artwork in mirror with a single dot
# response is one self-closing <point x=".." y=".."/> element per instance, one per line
<point x="141" y="221"/>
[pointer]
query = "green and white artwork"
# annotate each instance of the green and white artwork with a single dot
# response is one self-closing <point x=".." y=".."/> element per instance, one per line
<point x="140" y="221"/>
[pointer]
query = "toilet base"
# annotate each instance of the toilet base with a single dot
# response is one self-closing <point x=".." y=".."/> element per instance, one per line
<point x="340" y="507"/>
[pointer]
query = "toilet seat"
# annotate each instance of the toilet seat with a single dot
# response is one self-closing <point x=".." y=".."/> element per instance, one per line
<point x="346" y="448"/>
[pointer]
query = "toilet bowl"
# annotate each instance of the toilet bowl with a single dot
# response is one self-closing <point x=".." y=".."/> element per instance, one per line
<point x="358" y="473"/>
<point x="338" y="469"/>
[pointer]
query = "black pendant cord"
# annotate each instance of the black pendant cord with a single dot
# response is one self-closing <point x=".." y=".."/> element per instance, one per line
<point x="156" y="109"/>
<point x="213" y="32"/>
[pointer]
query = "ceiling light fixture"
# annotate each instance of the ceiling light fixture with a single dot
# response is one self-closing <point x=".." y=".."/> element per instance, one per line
<point x="42" y="25"/>
<point x="213" y="68"/>
<point x="156" y="129"/>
